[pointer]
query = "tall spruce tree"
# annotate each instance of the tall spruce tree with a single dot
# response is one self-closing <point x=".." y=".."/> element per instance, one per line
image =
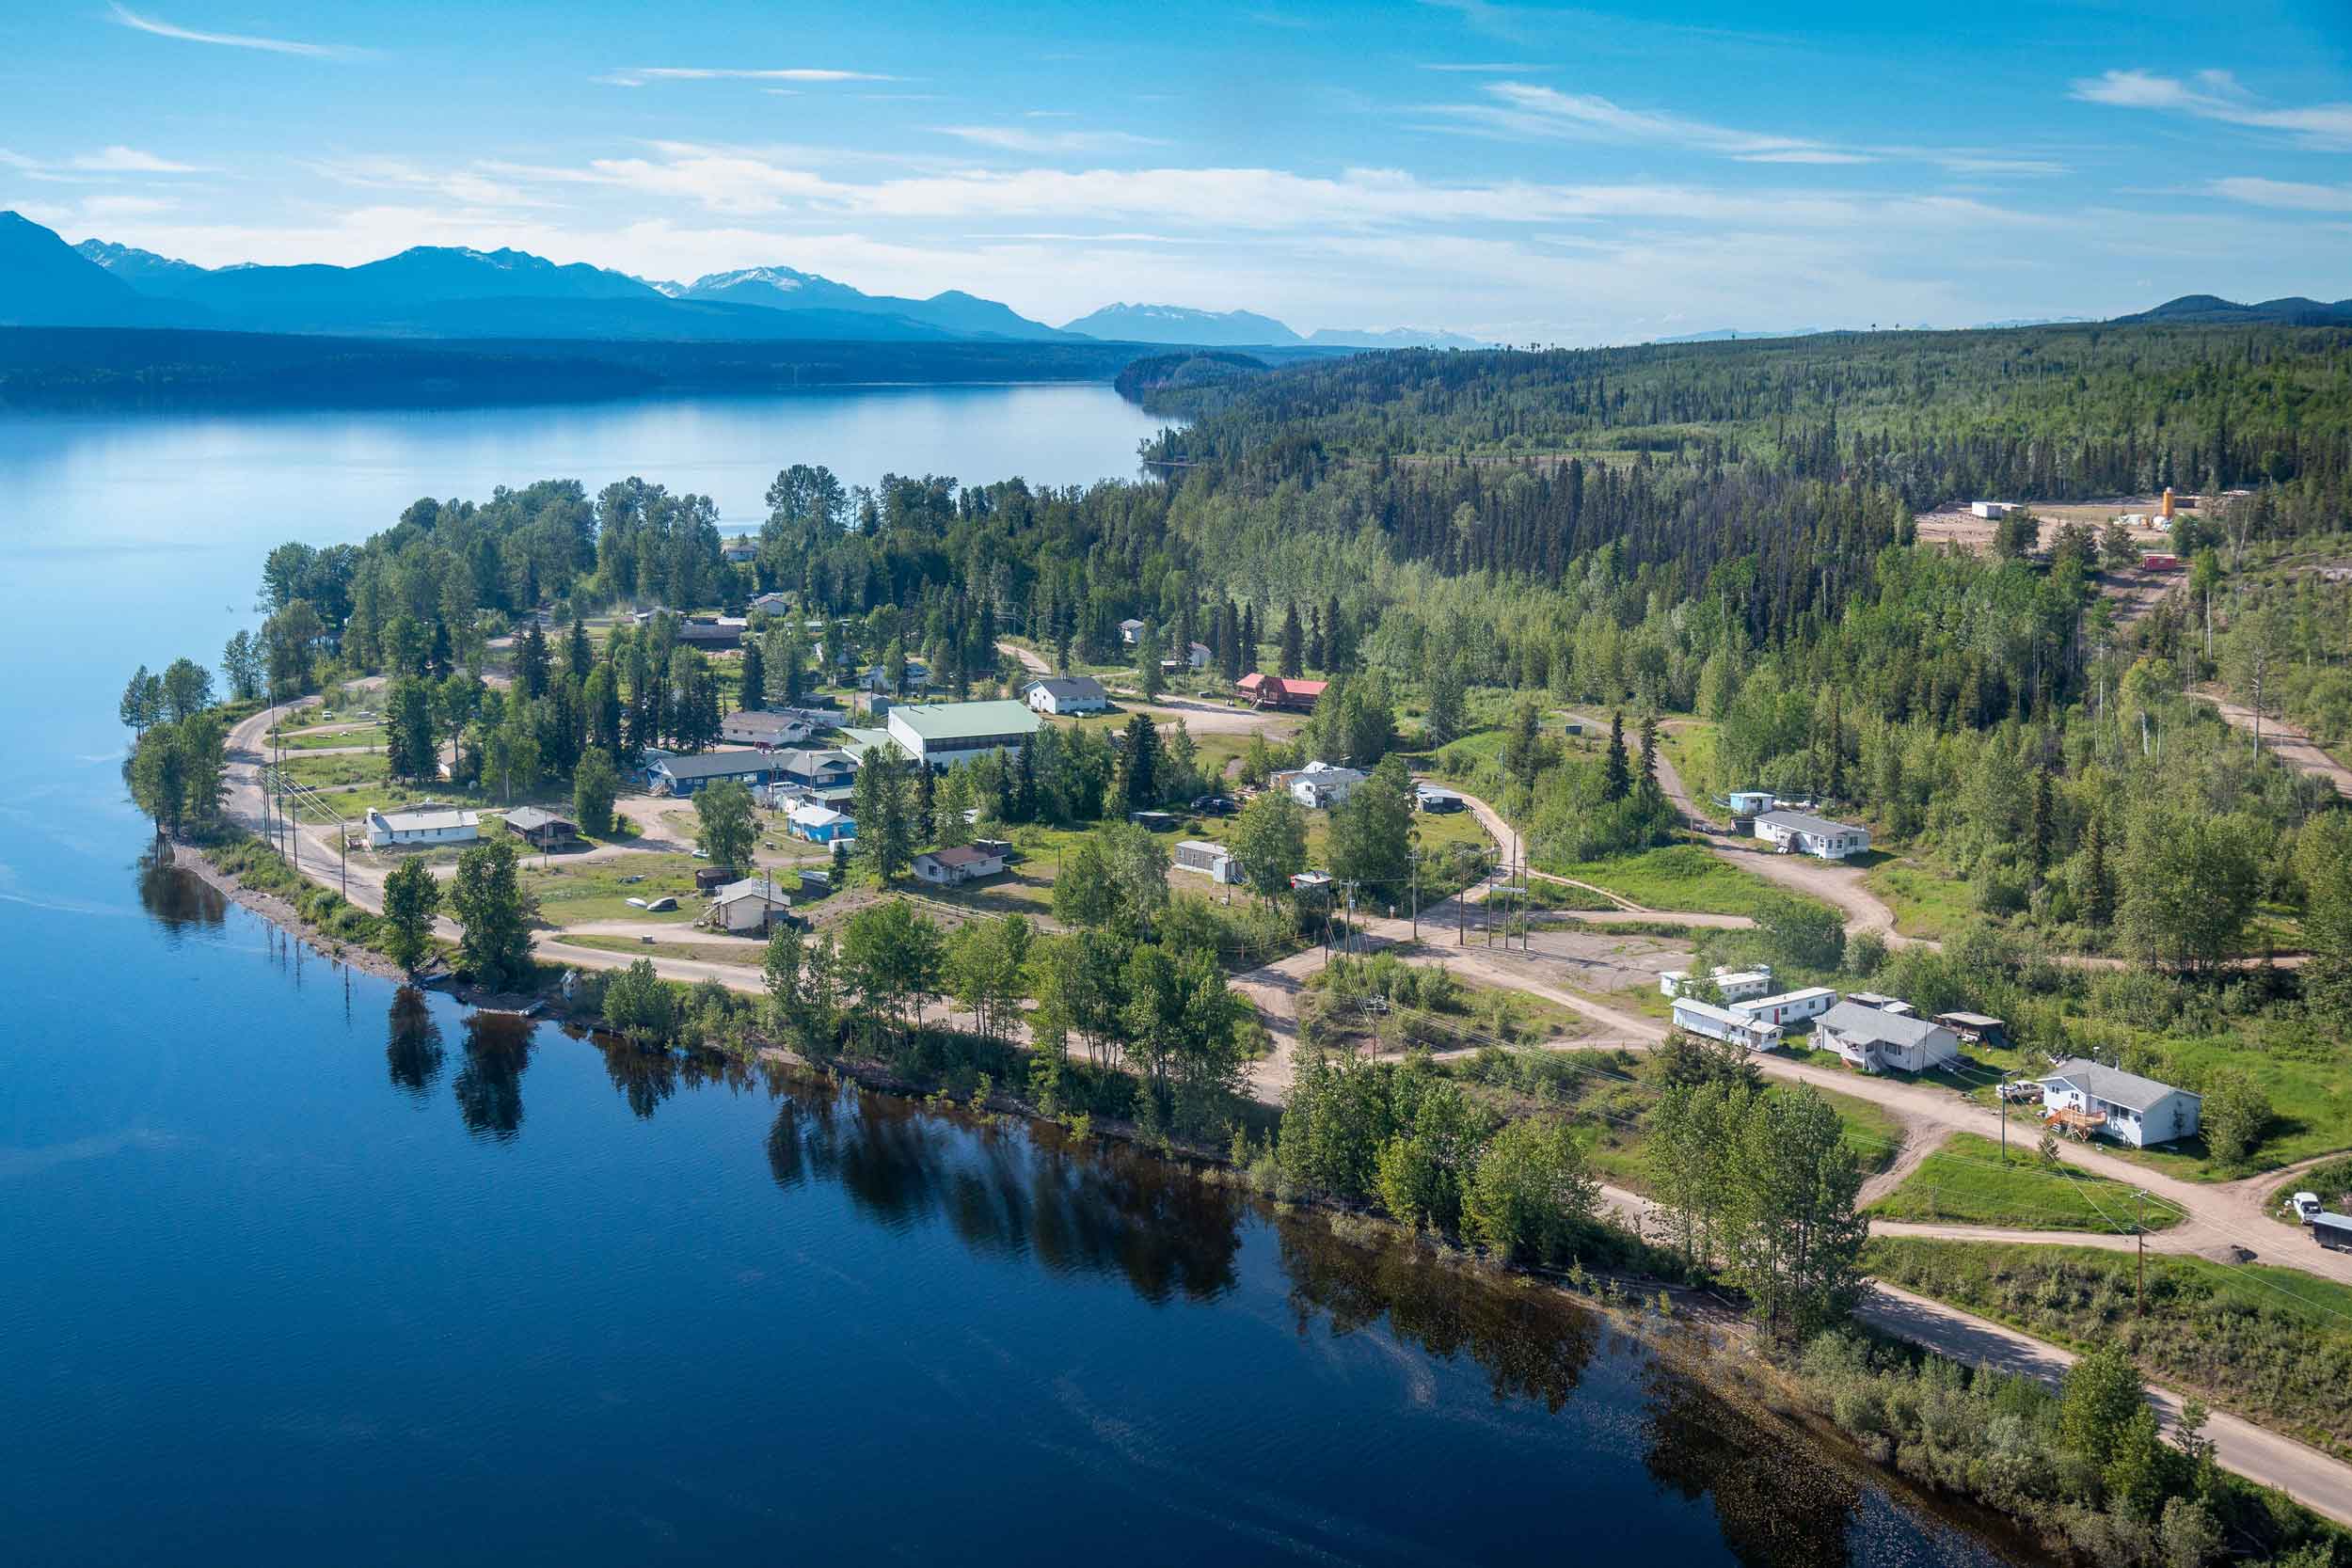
<point x="1616" y="777"/>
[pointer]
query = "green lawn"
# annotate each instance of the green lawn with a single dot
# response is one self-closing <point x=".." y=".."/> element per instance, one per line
<point x="1968" y="1182"/>
<point x="570" y="894"/>
<point x="1620" y="1153"/>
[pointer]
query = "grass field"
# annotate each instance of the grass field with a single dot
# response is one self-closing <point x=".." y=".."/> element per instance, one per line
<point x="1927" y="902"/>
<point x="594" y="890"/>
<point x="1966" y="1182"/>
<point x="1620" y="1153"/>
<point x="2272" y="1343"/>
<point x="331" y="772"/>
<point x="313" y="741"/>
<point x="1678" y="877"/>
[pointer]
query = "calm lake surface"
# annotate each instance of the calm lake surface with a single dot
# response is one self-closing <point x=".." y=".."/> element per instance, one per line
<point x="298" y="1267"/>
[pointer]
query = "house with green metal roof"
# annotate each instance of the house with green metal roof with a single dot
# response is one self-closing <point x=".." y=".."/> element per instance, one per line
<point x="939" y="735"/>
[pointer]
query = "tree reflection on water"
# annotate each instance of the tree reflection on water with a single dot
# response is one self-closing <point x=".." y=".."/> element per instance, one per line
<point x="1008" y="1193"/>
<point x="181" y="901"/>
<point x="490" y="1086"/>
<point x="412" y="1048"/>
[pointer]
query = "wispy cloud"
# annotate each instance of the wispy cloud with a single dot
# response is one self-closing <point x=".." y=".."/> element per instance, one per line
<point x="1528" y="109"/>
<point x="163" y="29"/>
<point x="130" y="160"/>
<point x="2288" y="194"/>
<point x="1013" y="138"/>
<point x="637" y="76"/>
<point x="2217" y="95"/>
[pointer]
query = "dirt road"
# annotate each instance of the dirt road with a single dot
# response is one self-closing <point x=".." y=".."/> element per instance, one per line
<point x="2283" y="740"/>
<point x="2322" y="1484"/>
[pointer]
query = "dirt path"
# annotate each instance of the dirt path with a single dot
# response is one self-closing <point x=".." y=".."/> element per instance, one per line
<point x="2322" y="1484"/>
<point x="1029" y="661"/>
<point x="2283" y="740"/>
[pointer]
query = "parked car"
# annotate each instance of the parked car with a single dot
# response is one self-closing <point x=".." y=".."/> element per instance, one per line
<point x="1212" y="805"/>
<point x="2306" y="1205"/>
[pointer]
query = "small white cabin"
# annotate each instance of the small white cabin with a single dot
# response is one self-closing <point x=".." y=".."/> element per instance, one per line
<point x="1737" y="985"/>
<point x="1798" y="833"/>
<point x="2121" y="1105"/>
<point x="423" y="824"/>
<point x="1789" y="1007"/>
<point x="1213" y="861"/>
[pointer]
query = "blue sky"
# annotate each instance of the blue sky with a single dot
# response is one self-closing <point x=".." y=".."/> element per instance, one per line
<point x="1520" y="172"/>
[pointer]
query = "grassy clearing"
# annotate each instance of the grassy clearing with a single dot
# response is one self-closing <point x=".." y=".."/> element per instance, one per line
<point x="1678" y="877"/>
<point x="1621" y="1153"/>
<point x="333" y="772"/>
<point x="1968" y="1182"/>
<point x="2273" y="1344"/>
<point x="313" y="740"/>
<point x="594" y="890"/>
<point x="1927" y="902"/>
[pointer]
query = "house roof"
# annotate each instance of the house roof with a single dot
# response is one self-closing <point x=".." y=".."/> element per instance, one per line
<point x="1205" y="846"/>
<point x="762" y="887"/>
<point x="805" y="761"/>
<point x="771" y="719"/>
<point x="1124" y="625"/>
<point x="813" y="814"/>
<point x="938" y="722"/>
<point x="2112" y="1085"/>
<point x="1258" y="681"/>
<point x="1788" y="996"/>
<point x="1856" y="1021"/>
<point x="1805" y="822"/>
<point x="1969" y="1021"/>
<point x="526" y="819"/>
<point x="1721" y="1015"/>
<point x="1064" y="687"/>
<point x="425" y="819"/>
<point x="717" y="765"/>
<point x="965" y="854"/>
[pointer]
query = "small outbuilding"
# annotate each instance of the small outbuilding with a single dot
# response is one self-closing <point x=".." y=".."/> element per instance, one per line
<point x="542" y="830"/>
<point x="1975" y="1028"/>
<point x="820" y="823"/>
<point x="1435" y="798"/>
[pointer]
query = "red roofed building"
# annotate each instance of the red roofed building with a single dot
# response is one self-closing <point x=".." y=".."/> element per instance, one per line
<point x="1274" y="691"/>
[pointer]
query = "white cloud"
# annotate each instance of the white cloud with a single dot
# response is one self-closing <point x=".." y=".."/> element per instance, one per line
<point x="130" y="160"/>
<point x="1008" y="138"/>
<point x="2217" y="95"/>
<point x="1529" y="109"/>
<point x="233" y="41"/>
<point x="2286" y="194"/>
<point x="637" y="76"/>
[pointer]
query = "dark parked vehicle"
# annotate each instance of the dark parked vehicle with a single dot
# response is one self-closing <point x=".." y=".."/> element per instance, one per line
<point x="2332" y="1231"/>
<point x="1212" y="805"/>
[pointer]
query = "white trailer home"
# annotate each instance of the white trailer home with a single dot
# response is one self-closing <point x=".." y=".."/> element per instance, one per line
<point x="1797" y="832"/>
<point x="1722" y="1023"/>
<point x="1789" y="1007"/>
<point x="424" y="824"/>
<point x="1737" y="985"/>
<point x="2117" y="1105"/>
<point x="1213" y="861"/>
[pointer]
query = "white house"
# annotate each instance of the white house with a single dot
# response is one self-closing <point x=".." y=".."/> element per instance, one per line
<point x="1065" y="694"/>
<point x="1992" y="511"/>
<point x="2121" y="1105"/>
<point x="1789" y="1007"/>
<point x="1875" y="1041"/>
<point x="1213" y="861"/>
<point x="1798" y="833"/>
<point x="963" y="862"/>
<point x="1737" y="985"/>
<point x="1199" y="654"/>
<point x="748" y="905"/>
<point x="1129" y="632"/>
<point x="760" y="727"/>
<point x="1722" y="1023"/>
<point x="1319" y="784"/>
<point x="939" y="735"/>
<point x="1749" y="802"/>
<point x="426" y="824"/>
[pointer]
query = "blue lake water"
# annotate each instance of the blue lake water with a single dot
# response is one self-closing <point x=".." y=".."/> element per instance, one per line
<point x="297" y="1267"/>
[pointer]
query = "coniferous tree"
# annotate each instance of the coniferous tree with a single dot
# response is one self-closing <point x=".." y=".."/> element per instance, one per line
<point x="1315" y="640"/>
<point x="1249" y="640"/>
<point x="2098" y="878"/>
<point x="1649" y="752"/>
<point x="1294" y="652"/>
<point x="1616" y="777"/>
<point x="2044" y="829"/>
<point x="1139" y="767"/>
<point x="531" y="661"/>
<point x="752" y="692"/>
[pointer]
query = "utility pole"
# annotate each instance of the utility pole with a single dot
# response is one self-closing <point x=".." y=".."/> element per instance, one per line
<point x="2140" y="1235"/>
<point x="1415" y="858"/>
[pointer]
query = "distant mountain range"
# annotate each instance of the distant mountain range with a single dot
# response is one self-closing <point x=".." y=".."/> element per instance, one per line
<point x="444" y="293"/>
<point x="2293" y="310"/>
<point x="1182" y="324"/>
